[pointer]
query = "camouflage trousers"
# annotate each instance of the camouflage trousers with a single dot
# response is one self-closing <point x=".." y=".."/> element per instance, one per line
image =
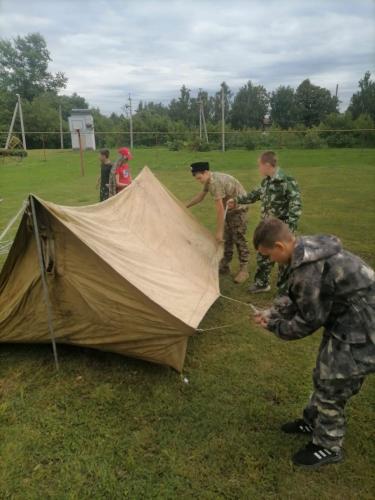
<point x="325" y="410"/>
<point x="235" y="235"/>
<point x="104" y="193"/>
<point x="263" y="272"/>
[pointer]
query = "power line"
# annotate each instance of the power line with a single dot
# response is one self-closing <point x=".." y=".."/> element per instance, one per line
<point x="196" y="131"/>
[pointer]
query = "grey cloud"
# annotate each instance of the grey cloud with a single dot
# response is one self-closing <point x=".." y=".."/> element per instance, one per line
<point x="150" y="48"/>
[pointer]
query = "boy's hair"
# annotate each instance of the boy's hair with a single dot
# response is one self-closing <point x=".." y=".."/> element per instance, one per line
<point x="269" y="157"/>
<point x="105" y="152"/>
<point x="269" y="231"/>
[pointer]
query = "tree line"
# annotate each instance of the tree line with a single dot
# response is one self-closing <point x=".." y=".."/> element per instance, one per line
<point x="254" y="116"/>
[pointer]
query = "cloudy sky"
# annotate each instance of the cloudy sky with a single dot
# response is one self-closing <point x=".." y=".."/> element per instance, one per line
<point x="108" y="48"/>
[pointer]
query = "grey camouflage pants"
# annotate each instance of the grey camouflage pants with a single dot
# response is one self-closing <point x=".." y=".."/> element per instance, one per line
<point x="325" y="410"/>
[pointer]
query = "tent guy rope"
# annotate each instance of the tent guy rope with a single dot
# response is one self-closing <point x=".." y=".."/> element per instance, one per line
<point x="254" y="309"/>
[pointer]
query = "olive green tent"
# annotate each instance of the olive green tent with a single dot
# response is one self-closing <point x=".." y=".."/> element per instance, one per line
<point x="133" y="275"/>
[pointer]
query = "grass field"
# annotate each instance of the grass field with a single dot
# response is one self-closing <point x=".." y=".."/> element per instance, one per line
<point x="111" y="427"/>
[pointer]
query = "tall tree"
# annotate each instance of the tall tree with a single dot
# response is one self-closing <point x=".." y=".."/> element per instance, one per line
<point x="250" y="106"/>
<point x="179" y="109"/>
<point x="284" y="109"/>
<point x="24" y="67"/>
<point x="215" y="107"/>
<point x="69" y="102"/>
<point x="363" y="101"/>
<point x="314" y="103"/>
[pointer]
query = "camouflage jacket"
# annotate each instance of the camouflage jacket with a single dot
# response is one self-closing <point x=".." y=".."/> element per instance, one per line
<point x="280" y="197"/>
<point x="332" y="288"/>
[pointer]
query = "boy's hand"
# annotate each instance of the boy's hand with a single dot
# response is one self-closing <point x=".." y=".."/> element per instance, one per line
<point x="231" y="204"/>
<point x="219" y="237"/>
<point x="262" y="319"/>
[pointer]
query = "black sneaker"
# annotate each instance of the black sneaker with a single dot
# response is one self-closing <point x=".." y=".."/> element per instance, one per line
<point x="314" y="456"/>
<point x="297" y="427"/>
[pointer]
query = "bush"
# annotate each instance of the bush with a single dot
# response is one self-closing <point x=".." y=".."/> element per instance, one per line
<point x="198" y="145"/>
<point x="175" y="145"/>
<point x="20" y="153"/>
<point x="312" y="140"/>
<point x="249" y="144"/>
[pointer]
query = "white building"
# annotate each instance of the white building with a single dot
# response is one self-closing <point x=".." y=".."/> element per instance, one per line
<point x="82" y="120"/>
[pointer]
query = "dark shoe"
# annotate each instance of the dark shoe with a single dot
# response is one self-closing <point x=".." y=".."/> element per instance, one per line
<point x="314" y="456"/>
<point x="224" y="270"/>
<point x="297" y="427"/>
<point x="259" y="289"/>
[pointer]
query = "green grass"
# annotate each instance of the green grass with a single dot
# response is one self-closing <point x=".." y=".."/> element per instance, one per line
<point x="111" y="427"/>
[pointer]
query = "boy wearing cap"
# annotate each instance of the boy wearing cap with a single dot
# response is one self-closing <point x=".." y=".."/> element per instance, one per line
<point x="332" y="288"/>
<point x="120" y="176"/>
<point x="230" y="227"/>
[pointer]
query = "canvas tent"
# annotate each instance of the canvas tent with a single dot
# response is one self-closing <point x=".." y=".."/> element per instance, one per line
<point x="133" y="275"/>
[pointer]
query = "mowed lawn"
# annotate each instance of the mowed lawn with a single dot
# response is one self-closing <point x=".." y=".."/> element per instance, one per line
<point x="112" y="427"/>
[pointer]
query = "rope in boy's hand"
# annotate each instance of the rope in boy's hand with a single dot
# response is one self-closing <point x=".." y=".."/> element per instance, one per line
<point x="257" y="313"/>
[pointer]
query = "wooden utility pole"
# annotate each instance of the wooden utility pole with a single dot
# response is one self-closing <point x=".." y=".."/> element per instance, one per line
<point x="337" y="89"/>
<point x="131" y="122"/>
<point x="202" y="121"/>
<point x="11" y="126"/>
<point x="61" y="129"/>
<point x="21" y="120"/>
<point x="222" y="121"/>
<point x="17" y="108"/>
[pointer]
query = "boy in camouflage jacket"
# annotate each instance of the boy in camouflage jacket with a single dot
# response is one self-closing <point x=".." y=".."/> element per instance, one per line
<point x="332" y="288"/>
<point x="280" y="197"/>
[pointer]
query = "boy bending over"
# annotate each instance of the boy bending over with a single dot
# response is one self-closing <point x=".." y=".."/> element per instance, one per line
<point x="332" y="288"/>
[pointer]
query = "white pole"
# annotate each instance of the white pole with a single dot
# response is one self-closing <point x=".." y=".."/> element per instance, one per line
<point x="11" y="126"/>
<point x="21" y="120"/>
<point x="222" y="121"/>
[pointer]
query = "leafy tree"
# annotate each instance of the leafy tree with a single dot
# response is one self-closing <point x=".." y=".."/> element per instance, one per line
<point x="250" y="106"/>
<point x="339" y="122"/>
<point x="314" y="103"/>
<point x="284" y="109"/>
<point x="363" y="101"/>
<point x="24" y="67"/>
<point x="7" y="102"/>
<point x="156" y="108"/>
<point x="41" y="114"/>
<point x="68" y="103"/>
<point x="179" y="109"/>
<point x="215" y="108"/>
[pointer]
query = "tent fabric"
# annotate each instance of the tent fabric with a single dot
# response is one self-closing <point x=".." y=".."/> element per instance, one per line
<point x="133" y="275"/>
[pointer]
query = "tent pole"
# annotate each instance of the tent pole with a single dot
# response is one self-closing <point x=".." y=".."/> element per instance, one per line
<point x="44" y="282"/>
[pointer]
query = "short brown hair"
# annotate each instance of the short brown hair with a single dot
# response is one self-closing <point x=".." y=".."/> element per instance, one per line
<point x="269" y="231"/>
<point x="269" y="157"/>
<point x="105" y="152"/>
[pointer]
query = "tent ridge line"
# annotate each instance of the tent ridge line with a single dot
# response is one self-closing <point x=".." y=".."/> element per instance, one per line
<point x="127" y="279"/>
